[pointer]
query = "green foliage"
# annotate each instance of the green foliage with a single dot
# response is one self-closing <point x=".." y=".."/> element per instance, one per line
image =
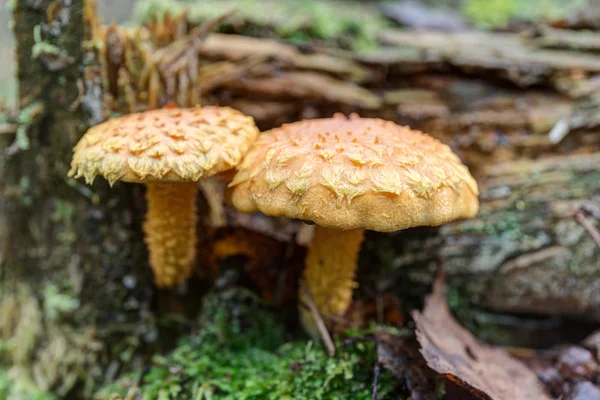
<point x="8" y="91"/>
<point x="57" y="303"/>
<point x="498" y="13"/>
<point x="201" y="367"/>
<point x="17" y="388"/>
<point x="490" y="13"/>
<point x="240" y="354"/>
<point x="337" y="22"/>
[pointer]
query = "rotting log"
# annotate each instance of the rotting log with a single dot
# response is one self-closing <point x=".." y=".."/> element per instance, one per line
<point x="525" y="252"/>
<point x="483" y="119"/>
<point x="73" y="261"/>
<point x="505" y="55"/>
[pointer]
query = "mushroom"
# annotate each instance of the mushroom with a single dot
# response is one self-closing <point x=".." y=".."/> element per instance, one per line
<point x="168" y="150"/>
<point x="346" y="175"/>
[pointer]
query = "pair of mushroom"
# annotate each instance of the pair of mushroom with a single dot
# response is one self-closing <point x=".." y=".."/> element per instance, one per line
<point x="343" y="174"/>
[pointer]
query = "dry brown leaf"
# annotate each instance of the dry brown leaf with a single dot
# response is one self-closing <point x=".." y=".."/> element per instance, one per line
<point x="400" y="356"/>
<point x="487" y="372"/>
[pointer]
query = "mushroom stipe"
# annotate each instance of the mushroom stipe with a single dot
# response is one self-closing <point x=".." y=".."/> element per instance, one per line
<point x="328" y="268"/>
<point x="169" y="150"/>
<point x="170" y="230"/>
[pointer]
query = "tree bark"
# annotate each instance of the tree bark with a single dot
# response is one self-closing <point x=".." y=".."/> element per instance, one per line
<point x="61" y="240"/>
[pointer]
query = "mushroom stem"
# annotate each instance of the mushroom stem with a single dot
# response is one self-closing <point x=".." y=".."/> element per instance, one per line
<point x="329" y="272"/>
<point x="170" y="230"/>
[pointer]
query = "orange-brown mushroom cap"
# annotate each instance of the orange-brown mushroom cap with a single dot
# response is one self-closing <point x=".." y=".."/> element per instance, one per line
<point x="354" y="173"/>
<point x="168" y="145"/>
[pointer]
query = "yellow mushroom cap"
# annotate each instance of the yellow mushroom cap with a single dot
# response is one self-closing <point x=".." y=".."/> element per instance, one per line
<point x="169" y="144"/>
<point x="350" y="173"/>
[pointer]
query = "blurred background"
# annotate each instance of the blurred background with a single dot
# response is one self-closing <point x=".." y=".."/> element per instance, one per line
<point x="484" y="14"/>
<point x="118" y="11"/>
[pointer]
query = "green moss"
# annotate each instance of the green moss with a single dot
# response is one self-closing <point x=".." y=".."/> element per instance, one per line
<point x="39" y="353"/>
<point x="498" y="13"/>
<point x="339" y="23"/>
<point x="13" y="386"/>
<point x="508" y="222"/>
<point x="57" y="303"/>
<point x="8" y="90"/>
<point x="240" y="353"/>
<point x="202" y="367"/>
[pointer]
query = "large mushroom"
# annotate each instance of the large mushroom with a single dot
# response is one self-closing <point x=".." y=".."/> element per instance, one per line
<point x="346" y="175"/>
<point x="168" y="150"/>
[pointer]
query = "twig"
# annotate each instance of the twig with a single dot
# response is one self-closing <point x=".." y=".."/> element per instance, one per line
<point x="376" y="372"/>
<point x="214" y="197"/>
<point x="592" y="230"/>
<point x="175" y="56"/>
<point x="325" y="336"/>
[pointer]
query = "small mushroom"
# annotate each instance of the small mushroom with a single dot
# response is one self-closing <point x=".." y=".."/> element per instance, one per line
<point x="168" y="150"/>
<point x="346" y="175"/>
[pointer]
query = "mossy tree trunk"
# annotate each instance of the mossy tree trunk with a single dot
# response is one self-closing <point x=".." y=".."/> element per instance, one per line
<point x="71" y="252"/>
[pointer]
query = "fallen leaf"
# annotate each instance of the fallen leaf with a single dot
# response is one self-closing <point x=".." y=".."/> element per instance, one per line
<point x="487" y="372"/>
<point x="400" y="355"/>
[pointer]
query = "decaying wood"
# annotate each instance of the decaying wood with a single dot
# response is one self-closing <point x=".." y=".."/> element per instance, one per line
<point x="506" y="55"/>
<point x="525" y="252"/>
<point x="567" y="39"/>
<point x="426" y="80"/>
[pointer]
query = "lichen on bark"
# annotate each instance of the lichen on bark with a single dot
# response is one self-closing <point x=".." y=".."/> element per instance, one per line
<point x="60" y="239"/>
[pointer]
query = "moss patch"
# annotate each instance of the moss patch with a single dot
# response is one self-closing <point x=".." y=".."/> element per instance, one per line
<point x="240" y="353"/>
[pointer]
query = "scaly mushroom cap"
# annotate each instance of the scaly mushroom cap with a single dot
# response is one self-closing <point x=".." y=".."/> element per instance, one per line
<point x="173" y="145"/>
<point x="349" y="173"/>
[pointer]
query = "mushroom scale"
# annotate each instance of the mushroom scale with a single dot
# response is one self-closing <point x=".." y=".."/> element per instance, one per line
<point x="168" y="150"/>
<point x="351" y="174"/>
